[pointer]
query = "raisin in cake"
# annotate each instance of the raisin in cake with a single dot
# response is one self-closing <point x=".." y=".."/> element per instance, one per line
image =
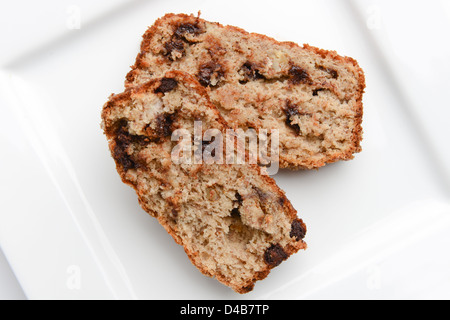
<point x="234" y="223"/>
<point x="312" y="96"/>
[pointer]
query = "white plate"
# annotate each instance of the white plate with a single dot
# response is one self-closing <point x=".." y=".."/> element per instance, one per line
<point x="72" y="230"/>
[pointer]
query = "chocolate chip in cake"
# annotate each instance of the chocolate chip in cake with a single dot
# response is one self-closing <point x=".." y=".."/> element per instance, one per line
<point x="166" y="85"/>
<point x="281" y="201"/>
<point x="164" y="122"/>
<point x="250" y="72"/>
<point x="120" y="152"/>
<point x="174" y="45"/>
<point x="206" y="72"/>
<point x="116" y="127"/>
<point x="122" y="142"/>
<point x="299" y="75"/>
<point x="204" y="75"/>
<point x="316" y="91"/>
<point x="291" y="110"/>
<point x="274" y="255"/>
<point x="184" y="28"/>
<point x="123" y="139"/>
<point x="332" y="72"/>
<point x="297" y="230"/>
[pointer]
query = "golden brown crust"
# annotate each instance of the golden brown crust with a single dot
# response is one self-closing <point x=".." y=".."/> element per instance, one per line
<point x="119" y="99"/>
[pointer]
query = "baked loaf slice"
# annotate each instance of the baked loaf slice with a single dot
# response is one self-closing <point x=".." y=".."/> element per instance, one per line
<point x="234" y="223"/>
<point x="312" y="96"/>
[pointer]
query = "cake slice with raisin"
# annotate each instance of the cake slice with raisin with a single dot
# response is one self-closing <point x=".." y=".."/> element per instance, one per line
<point x="234" y="223"/>
<point x="312" y="96"/>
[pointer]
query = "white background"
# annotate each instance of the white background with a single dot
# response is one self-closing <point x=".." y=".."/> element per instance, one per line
<point x="378" y="226"/>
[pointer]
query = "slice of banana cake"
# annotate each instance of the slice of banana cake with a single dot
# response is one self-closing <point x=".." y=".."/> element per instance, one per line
<point x="312" y="96"/>
<point x="234" y="223"/>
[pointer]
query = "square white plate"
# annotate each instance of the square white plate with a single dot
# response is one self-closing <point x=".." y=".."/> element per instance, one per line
<point x="72" y="230"/>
